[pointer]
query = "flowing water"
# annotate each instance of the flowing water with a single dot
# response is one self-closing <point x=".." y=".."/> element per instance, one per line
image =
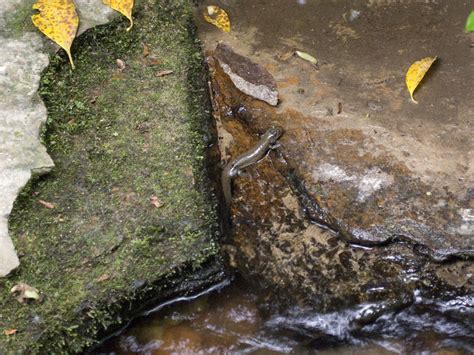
<point x="231" y="320"/>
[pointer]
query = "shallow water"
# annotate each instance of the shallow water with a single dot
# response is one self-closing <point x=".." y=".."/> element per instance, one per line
<point x="231" y="321"/>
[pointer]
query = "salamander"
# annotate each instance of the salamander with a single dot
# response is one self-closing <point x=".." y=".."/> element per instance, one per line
<point x="253" y="155"/>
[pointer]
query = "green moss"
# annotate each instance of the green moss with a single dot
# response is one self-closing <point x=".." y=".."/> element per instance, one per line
<point x="117" y="138"/>
<point x="19" y="21"/>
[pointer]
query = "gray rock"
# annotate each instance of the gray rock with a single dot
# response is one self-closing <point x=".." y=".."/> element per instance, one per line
<point x="92" y="13"/>
<point x="22" y="113"/>
<point x="21" y="116"/>
<point x="249" y="77"/>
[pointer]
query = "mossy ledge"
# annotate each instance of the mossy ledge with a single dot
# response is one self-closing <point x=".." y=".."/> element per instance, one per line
<point x="105" y="252"/>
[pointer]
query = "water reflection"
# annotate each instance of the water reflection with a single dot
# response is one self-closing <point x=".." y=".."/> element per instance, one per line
<point x="231" y="321"/>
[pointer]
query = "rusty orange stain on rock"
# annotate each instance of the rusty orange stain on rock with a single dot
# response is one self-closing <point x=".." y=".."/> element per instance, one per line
<point x="292" y="80"/>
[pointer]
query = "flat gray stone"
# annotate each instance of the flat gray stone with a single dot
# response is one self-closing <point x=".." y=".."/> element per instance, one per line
<point x="22" y="112"/>
<point x="249" y="77"/>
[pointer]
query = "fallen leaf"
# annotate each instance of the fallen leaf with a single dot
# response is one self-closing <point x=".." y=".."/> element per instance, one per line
<point x="10" y="331"/>
<point x="217" y="17"/>
<point x="285" y="56"/>
<point x="151" y="61"/>
<point x="143" y="127"/>
<point x="156" y="202"/>
<point x="307" y="57"/>
<point x="120" y="65"/>
<point x="46" y="204"/>
<point x="164" y="72"/>
<point x="125" y="7"/>
<point x="128" y="197"/>
<point x="58" y="20"/>
<point x="146" y="51"/>
<point x="470" y="22"/>
<point x="103" y="278"/>
<point x="416" y="72"/>
<point x="24" y="293"/>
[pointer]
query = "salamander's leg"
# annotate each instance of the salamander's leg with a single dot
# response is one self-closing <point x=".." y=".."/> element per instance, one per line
<point x="242" y="173"/>
<point x="275" y="145"/>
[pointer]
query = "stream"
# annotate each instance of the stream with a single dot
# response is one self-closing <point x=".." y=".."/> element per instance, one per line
<point x="231" y="320"/>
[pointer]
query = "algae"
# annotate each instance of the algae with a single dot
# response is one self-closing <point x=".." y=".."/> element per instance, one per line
<point x="117" y="138"/>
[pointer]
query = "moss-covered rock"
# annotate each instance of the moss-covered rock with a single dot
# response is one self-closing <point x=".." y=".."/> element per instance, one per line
<point x="118" y="139"/>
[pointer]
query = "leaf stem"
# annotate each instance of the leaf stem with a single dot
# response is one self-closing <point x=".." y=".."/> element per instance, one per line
<point x="70" y="59"/>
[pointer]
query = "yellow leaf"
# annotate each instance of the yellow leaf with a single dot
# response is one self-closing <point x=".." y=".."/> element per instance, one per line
<point x="307" y="57"/>
<point x="218" y="17"/>
<point x="9" y="331"/>
<point x="125" y="7"/>
<point x="58" y="20"/>
<point x="416" y="72"/>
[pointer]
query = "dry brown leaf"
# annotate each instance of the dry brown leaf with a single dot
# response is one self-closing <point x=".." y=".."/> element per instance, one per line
<point x="24" y="293"/>
<point x="156" y="202"/>
<point x="10" y="331"/>
<point x="103" y="278"/>
<point x="58" y="20"/>
<point x="164" y="72"/>
<point x="285" y="56"/>
<point x="46" y="204"/>
<point x="125" y="7"/>
<point x="120" y="65"/>
<point x="151" y="61"/>
<point x="146" y="51"/>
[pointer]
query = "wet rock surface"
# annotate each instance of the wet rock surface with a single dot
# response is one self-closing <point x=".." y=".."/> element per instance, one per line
<point x="249" y="77"/>
<point x="231" y="321"/>
<point x="389" y="182"/>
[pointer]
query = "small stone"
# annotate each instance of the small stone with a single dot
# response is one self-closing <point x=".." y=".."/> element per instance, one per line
<point x="249" y="77"/>
<point x="120" y="65"/>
